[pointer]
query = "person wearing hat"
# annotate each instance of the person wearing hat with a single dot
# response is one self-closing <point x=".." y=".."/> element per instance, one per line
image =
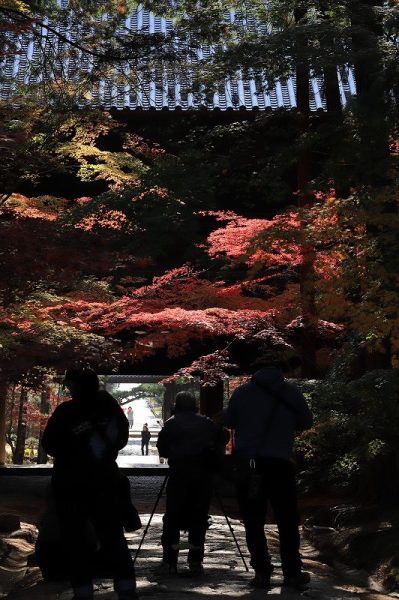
<point x="188" y="440"/>
<point x="84" y="436"/>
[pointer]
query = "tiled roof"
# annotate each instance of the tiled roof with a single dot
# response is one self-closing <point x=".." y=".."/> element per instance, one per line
<point x="164" y="89"/>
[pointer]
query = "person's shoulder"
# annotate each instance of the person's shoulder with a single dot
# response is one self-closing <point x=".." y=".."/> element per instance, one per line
<point x="293" y="392"/>
<point x="242" y="389"/>
<point x="292" y="387"/>
<point x="65" y="407"/>
<point x="65" y="411"/>
<point x="206" y="421"/>
<point x="203" y="417"/>
<point x="107" y="400"/>
<point x="106" y="396"/>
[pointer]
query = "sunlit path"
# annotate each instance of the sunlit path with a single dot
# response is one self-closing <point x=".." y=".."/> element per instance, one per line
<point x="143" y="414"/>
<point x="224" y="578"/>
<point x="131" y="454"/>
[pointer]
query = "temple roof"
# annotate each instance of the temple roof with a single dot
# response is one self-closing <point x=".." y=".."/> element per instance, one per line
<point x="163" y="88"/>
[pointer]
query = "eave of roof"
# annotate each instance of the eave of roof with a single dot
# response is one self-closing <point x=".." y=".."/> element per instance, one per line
<point x="165" y="90"/>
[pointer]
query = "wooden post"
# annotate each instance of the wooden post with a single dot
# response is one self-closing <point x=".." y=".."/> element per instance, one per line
<point x="211" y="399"/>
<point x="19" y="453"/>
<point x="44" y="410"/>
<point x="3" y="403"/>
<point x="168" y="400"/>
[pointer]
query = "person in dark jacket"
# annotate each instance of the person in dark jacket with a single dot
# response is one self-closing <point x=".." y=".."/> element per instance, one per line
<point x="188" y="440"/>
<point x="145" y="439"/>
<point x="84" y="436"/>
<point x="265" y="413"/>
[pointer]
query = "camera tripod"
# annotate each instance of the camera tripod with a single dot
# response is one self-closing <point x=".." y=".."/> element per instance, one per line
<point x="218" y="498"/>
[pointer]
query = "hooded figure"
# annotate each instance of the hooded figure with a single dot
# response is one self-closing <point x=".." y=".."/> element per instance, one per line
<point x="252" y="405"/>
<point x="265" y="413"/>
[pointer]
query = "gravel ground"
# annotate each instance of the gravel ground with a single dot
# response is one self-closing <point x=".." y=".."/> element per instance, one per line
<point x="225" y="577"/>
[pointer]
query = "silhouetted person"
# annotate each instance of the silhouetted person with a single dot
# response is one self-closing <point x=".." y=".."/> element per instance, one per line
<point x="188" y="441"/>
<point x="130" y="417"/>
<point x="265" y="414"/>
<point x="145" y="439"/>
<point x="84" y="436"/>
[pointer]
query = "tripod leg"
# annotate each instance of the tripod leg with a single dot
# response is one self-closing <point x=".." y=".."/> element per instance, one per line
<point x="150" y="519"/>
<point x="231" y="530"/>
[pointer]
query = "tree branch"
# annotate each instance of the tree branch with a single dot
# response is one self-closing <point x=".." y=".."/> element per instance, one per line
<point x="157" y="41"/>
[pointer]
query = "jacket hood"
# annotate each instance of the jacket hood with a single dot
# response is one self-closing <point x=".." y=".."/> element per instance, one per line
<point x="268" y="377"/>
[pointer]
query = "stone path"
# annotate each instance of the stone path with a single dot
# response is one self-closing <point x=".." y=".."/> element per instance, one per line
<point x="143" y="414"/>
<point x="131" y="455"/>
<point x="225" y="577"/>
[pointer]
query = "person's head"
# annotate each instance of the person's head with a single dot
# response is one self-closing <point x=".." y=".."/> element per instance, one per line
<point x="292" y="366"/>
<point x="185" y="402"/>
<point x="264" y="363"/>
<point x="145" y="427"/>
<point x="81" y="381"/>
<point x="287" y="365"/>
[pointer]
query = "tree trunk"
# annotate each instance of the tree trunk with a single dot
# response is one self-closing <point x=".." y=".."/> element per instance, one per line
<point x="3" y="402"/>
<point x="44" y="410"/>
<point x="373" y="122"/>
<point x="331" y="85"/>
<point x="372" y="101"/>
<point x="305" y="196"/>
<point x="333" y="98"/>
<point x="21" y="428"/>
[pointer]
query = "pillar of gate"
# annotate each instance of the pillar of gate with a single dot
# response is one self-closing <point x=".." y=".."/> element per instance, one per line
<point x="3" y="399"/>
<point x="168" y="400"/>
<point x="211" y="399"/>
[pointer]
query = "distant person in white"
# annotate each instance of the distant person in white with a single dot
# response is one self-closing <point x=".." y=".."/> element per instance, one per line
<point x="130" y="417"/>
